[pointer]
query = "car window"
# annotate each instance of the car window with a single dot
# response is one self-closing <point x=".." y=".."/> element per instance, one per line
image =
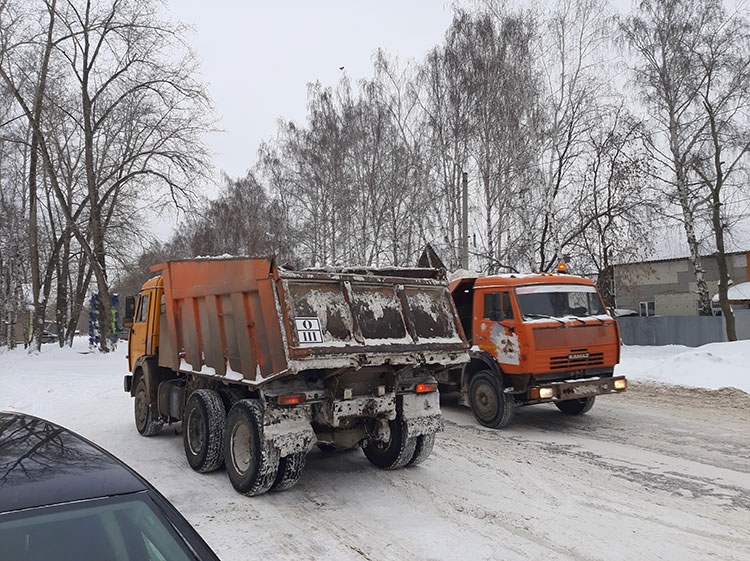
<point x="142" y="315"/>
<point x="497" y="306"/>
<point x="559" y="300"/>
<point x="119" y="529"/>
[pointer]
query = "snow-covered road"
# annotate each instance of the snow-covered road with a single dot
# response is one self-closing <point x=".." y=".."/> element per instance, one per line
<point x="660" y="472"/>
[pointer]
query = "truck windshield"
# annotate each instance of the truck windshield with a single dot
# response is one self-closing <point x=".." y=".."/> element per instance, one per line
<point x="559" y="301"/>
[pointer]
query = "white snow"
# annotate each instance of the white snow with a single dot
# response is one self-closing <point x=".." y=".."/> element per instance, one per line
<point x="737" y="293"/>
<point x="713" y="366"/>
<point x="483" y="494"/>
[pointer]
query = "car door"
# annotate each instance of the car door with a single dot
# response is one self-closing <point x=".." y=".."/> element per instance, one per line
<point x="139" y="330"/>
<point x="497" y="326"/>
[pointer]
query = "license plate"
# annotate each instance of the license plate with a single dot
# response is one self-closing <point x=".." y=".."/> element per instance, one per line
<point x="585" y="389"/>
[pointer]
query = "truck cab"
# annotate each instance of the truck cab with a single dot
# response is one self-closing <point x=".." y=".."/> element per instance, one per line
<point x="536" y="338"/>
<point x="142" y="317"/>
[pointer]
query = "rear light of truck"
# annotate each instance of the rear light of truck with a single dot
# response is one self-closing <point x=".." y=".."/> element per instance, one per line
<point x="292" y="399"/>
<point x="426" y="388"/>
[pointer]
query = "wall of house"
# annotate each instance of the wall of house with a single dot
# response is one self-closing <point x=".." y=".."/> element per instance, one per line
<point x="670" y="284"/>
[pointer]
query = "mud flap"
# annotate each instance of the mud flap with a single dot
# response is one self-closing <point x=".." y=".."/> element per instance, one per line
<point x="289" y="430"/>
<point x="421" y="413"/>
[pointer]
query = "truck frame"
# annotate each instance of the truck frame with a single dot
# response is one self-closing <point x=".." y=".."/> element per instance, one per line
<point x="536" y="338"/>
<point x="260" y="363"/>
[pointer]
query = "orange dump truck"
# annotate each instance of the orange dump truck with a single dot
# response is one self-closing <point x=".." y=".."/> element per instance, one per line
<point x="260" y="363"/>
<point x="536" y="338"/>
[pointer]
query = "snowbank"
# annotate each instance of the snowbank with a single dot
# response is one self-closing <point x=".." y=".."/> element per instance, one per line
<point x="713" y="366"/>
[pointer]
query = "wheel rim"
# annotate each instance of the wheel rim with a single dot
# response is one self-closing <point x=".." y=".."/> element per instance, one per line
<point x="484" y="401"/>
<point x="196" y="435"/>
<point x="240" y="448"/>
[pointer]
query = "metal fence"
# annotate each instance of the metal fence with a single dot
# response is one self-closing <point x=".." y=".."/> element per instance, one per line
<point x="691" y="331"/>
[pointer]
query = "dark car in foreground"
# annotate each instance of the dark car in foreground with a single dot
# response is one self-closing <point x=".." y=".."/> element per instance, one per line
<point x="64" y="498"/>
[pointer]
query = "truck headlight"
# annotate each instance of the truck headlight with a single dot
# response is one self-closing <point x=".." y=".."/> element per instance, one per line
<point x="621" y="384"/>
<point x="546" y="393"/>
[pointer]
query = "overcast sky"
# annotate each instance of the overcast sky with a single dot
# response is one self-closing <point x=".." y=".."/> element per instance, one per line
<point x="258" y="56"/>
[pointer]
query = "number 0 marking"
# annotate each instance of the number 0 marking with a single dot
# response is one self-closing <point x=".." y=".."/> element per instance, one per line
<point x="308" y="330"/>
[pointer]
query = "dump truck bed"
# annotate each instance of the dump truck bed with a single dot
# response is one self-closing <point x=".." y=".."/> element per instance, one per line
<point x="246" y="319"/>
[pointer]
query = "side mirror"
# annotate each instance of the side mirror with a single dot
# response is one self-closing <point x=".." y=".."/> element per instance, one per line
<point x="129" y="312"/>
<point x="496" y="315"/>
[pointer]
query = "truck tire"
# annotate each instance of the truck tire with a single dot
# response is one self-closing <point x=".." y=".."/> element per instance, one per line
<point x="144" y="420"/>
<point x="252" y="462"/>
<point x="491" y="406"/>
<point x="397" y="452"/>
<point x="203" y="430"/>
<point x="425" y="442"/>
<point x="576" y="406"/>
<point x="290" y="470"/>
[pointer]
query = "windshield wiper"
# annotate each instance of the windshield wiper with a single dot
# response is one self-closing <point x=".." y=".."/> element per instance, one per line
<point x="543" y="316"/>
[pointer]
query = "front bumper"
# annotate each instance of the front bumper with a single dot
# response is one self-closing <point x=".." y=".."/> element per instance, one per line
<point x="576" y="389"/>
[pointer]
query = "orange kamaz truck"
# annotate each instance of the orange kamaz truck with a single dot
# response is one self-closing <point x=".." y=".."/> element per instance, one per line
<point x="259" y="363"/>
<point x="536" y="338"/>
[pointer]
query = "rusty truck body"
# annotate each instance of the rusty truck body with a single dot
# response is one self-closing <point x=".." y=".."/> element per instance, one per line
<point x="260" y="363"/>
<point x="536" y="338"/>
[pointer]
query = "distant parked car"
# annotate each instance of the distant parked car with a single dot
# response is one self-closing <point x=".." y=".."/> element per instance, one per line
<point x="49" y="336"/>
<point x="63" y="497"/>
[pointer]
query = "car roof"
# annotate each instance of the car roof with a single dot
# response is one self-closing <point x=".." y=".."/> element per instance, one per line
<point x="516" y="279"/>
<point x="42" y="463"/>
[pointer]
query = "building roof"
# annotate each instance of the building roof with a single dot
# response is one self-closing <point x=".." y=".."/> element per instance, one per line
<point x="737" y="294"/>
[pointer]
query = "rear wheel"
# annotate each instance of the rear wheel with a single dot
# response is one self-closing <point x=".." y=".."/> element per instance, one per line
<point x="397" y="451"/>
<point x="252" y="463"/>
<point x="203" y="430"/>
<point x="425" y="442"/>
<point x="491" y="406"/>
<point x="290" y="470"/>
<point x="144" y="420"/>
<point x="576" y="406"/>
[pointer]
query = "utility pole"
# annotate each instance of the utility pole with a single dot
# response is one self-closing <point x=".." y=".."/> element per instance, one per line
<point x="465" y="222"/>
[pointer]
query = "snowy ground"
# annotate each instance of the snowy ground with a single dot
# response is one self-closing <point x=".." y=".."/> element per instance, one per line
<point x="660" y="472"/>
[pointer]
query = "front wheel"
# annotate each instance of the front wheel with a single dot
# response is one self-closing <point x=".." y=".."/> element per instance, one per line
<point x="491" y="406"/>
<point x="252" y="462"/>
<point x="575" y="406"/>
<point x="144" y="420"/>
<point x="397" y="451"/>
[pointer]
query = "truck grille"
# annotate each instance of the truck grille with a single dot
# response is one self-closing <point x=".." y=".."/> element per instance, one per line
<point x="576" y="360"/>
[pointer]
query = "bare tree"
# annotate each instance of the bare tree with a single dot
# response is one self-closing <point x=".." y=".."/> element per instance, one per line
<point x="504" y="94"/>
<point x="13" y="244"/>
<point x="725" y="98"/>
<point x="24" y="44"/>
<point x="573" y="52"/>
<point x="405" y="193"/>
<point x="308" y="168"/>
<point x="352" y="181"/>
<point x="667" y="37"/>
<point x="241" y="221"/>
<point x="617" y="207"/>
<point x="133" y="125"/>
<point x="446" y="108"/>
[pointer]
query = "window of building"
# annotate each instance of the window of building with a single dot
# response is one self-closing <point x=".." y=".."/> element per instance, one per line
<point x="647" y="309"/>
